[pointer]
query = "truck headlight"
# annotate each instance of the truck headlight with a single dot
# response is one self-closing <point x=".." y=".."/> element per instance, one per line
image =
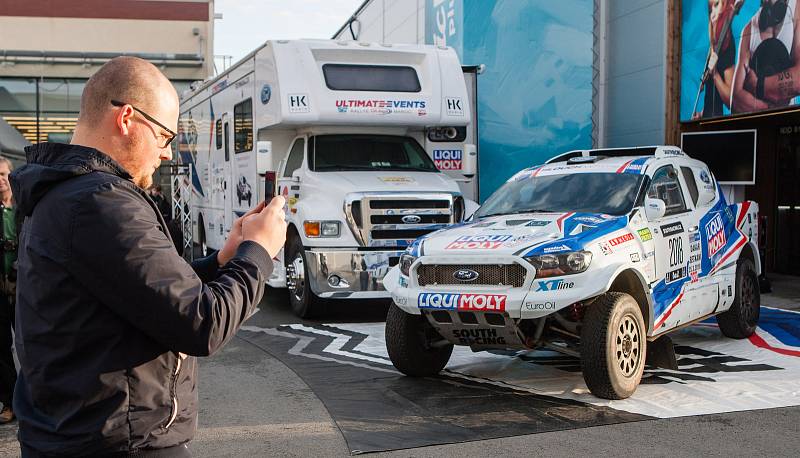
<point x="405" y="264"/>
<point x="315" y="229"/>
<point x="553" y="265"/>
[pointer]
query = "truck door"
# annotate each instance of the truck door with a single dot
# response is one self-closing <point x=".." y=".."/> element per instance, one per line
<point x="244" y="192"/>
<point x="288" y="187"/>
<point x="671" y="237"/>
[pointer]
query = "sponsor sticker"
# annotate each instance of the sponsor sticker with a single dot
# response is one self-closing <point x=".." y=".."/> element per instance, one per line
<point x="556" y="249"/>
<point x="400" y="300"/>
<point x="645" y="234"/>
<point x="478" y="242"/>
<point x="379" y="106"/>
<point x="715" y="234"/>
<point x="635" y="257"/>
<point x="447" y="159"/>
<point x="540" y="305"/>
<point x="605" y="248"/>
<point x="672" y="228"/>
<point x="554" y="285"/>
<point x="456" y="301"/>
<point x="624" y="238"/>
<point x="675" y="275"/>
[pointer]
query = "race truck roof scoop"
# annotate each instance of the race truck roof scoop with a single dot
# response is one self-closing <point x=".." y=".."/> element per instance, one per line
<point x="585" y="159"/>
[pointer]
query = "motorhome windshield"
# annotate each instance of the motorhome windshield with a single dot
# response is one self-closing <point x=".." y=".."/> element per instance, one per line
<point x="334" y="153"/>
<point x="609" y="193"/>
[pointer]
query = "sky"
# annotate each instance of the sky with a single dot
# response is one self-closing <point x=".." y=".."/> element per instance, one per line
<point x="247" y="24"/>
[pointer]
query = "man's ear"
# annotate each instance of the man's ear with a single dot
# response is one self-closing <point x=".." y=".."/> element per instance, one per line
<point x="124" y="119"/>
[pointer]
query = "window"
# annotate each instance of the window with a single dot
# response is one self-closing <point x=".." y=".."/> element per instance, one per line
<point x="243" y="126"/>
<point x="335" y="153"/>
<point x="218" y="133"/>
<point x="665" y="186"/>
<point x="227" y="142"/>
<point x="383" y="78"/>
<point x="295" y="159"/>
<point x="688" y="176"/>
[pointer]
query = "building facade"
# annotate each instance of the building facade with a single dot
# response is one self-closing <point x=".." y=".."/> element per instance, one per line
<point x="599" y="73"/>
<point x="48" y="50"/>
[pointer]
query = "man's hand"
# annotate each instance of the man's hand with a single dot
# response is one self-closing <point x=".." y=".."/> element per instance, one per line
<point x="267" y="227"/>
<point x="235" y="237"/>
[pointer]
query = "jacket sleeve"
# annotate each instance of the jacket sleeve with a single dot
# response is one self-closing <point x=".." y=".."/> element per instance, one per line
<point x="206" y="268"/>
<point x="119" y="252"/>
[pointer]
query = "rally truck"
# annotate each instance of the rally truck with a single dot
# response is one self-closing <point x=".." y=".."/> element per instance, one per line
<point x="367" y="142"/>
<point x="598" y="256"/>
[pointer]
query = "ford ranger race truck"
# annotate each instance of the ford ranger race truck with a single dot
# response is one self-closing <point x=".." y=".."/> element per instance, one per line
<point x="597" y="256"/>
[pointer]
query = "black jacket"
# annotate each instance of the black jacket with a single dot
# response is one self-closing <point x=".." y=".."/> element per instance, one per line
<point x="106" y="306"/>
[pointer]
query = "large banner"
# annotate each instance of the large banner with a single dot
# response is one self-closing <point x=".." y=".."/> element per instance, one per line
<point x="739" y="56"/>
<point x="444" y="21"/>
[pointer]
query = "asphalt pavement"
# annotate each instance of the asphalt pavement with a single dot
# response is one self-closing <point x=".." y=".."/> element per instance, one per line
<point x="254" y="405"/>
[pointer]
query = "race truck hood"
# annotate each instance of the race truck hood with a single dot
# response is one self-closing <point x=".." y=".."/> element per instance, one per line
<point x="393" y="181"/>
<point x="521" y="234"/>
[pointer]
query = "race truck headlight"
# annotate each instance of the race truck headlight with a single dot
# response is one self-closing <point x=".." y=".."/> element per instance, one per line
<point x="316" y="229"/>
<point x="553" y="265"/>
<point x="405" y="264"/>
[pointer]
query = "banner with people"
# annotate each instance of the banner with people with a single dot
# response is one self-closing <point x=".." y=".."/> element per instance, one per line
<point x="739" y="56"/>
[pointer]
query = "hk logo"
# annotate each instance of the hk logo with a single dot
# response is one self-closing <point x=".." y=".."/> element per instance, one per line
<point x="298" y="103"/>
<point x="454" y="106"/>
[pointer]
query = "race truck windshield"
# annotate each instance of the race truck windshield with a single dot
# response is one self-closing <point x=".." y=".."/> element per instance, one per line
<point x="608" y="193"/>
<point x="360" y="152"/>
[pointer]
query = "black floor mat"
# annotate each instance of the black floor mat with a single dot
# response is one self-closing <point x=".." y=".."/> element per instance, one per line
<point x="377" y="409"/>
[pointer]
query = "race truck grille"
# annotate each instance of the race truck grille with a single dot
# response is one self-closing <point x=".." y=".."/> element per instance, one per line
<point x="512" y="275"/>
<point x="397" y="219"/>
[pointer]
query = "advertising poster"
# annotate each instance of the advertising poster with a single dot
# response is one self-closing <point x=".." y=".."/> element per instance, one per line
<point x="738" y="56"/>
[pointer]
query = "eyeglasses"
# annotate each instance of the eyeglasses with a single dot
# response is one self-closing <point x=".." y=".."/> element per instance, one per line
<point x="146" y="116"/>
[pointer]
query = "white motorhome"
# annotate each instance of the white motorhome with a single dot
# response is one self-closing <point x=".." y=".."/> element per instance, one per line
<point x="368" y="145"/>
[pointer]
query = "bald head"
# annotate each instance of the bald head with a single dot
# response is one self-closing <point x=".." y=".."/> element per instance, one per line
<point x="127" y="79"/>
<point x="136" y="133"/>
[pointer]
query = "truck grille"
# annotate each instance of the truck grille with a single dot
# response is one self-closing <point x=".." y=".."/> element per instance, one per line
<point x="488" y="274"/>
<point x="397" y="219"/>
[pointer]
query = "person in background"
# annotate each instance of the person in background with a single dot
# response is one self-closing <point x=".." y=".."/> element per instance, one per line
<point x="8" y="278"/>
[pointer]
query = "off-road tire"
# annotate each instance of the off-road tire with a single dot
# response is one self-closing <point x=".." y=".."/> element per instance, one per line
<point x="305" y="304"/>
<point x="407" y="341"/>
<point x="740" y="321"/>
<point x="613" y="346"/>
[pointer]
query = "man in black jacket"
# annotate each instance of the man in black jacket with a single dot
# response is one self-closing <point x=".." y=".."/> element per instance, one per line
<point x="109" y="317"/>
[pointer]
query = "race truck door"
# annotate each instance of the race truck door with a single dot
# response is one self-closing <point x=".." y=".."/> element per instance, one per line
<point x="670" y="233"/>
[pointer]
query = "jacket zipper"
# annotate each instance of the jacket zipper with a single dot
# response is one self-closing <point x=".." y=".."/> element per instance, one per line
<point x="173" y="390"/>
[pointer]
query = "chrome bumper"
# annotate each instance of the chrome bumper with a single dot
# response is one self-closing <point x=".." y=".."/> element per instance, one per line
<point x="360" y="273"/>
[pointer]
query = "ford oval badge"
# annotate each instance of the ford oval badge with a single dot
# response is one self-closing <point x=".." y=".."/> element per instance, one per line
<point x="411" y="219"/>
<point x="465" y="275"/>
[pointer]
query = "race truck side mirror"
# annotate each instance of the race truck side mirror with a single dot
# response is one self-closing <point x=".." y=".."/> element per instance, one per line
<point x="263" y="156"/>
<point x="470" y="166"/>
<point x="654" y="208"/>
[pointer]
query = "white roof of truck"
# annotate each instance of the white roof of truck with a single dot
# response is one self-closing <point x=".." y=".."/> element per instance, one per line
<point x="294" y="84"/>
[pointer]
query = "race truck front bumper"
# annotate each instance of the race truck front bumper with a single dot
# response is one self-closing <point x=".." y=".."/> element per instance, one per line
<point x="349" y="274"/>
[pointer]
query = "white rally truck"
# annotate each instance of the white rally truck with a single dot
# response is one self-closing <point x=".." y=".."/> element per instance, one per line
<point x="597" y="256"/>
<point x="367" y="145"/>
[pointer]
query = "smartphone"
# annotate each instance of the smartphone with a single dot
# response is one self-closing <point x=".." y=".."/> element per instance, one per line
<point x="269" y="186"/>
